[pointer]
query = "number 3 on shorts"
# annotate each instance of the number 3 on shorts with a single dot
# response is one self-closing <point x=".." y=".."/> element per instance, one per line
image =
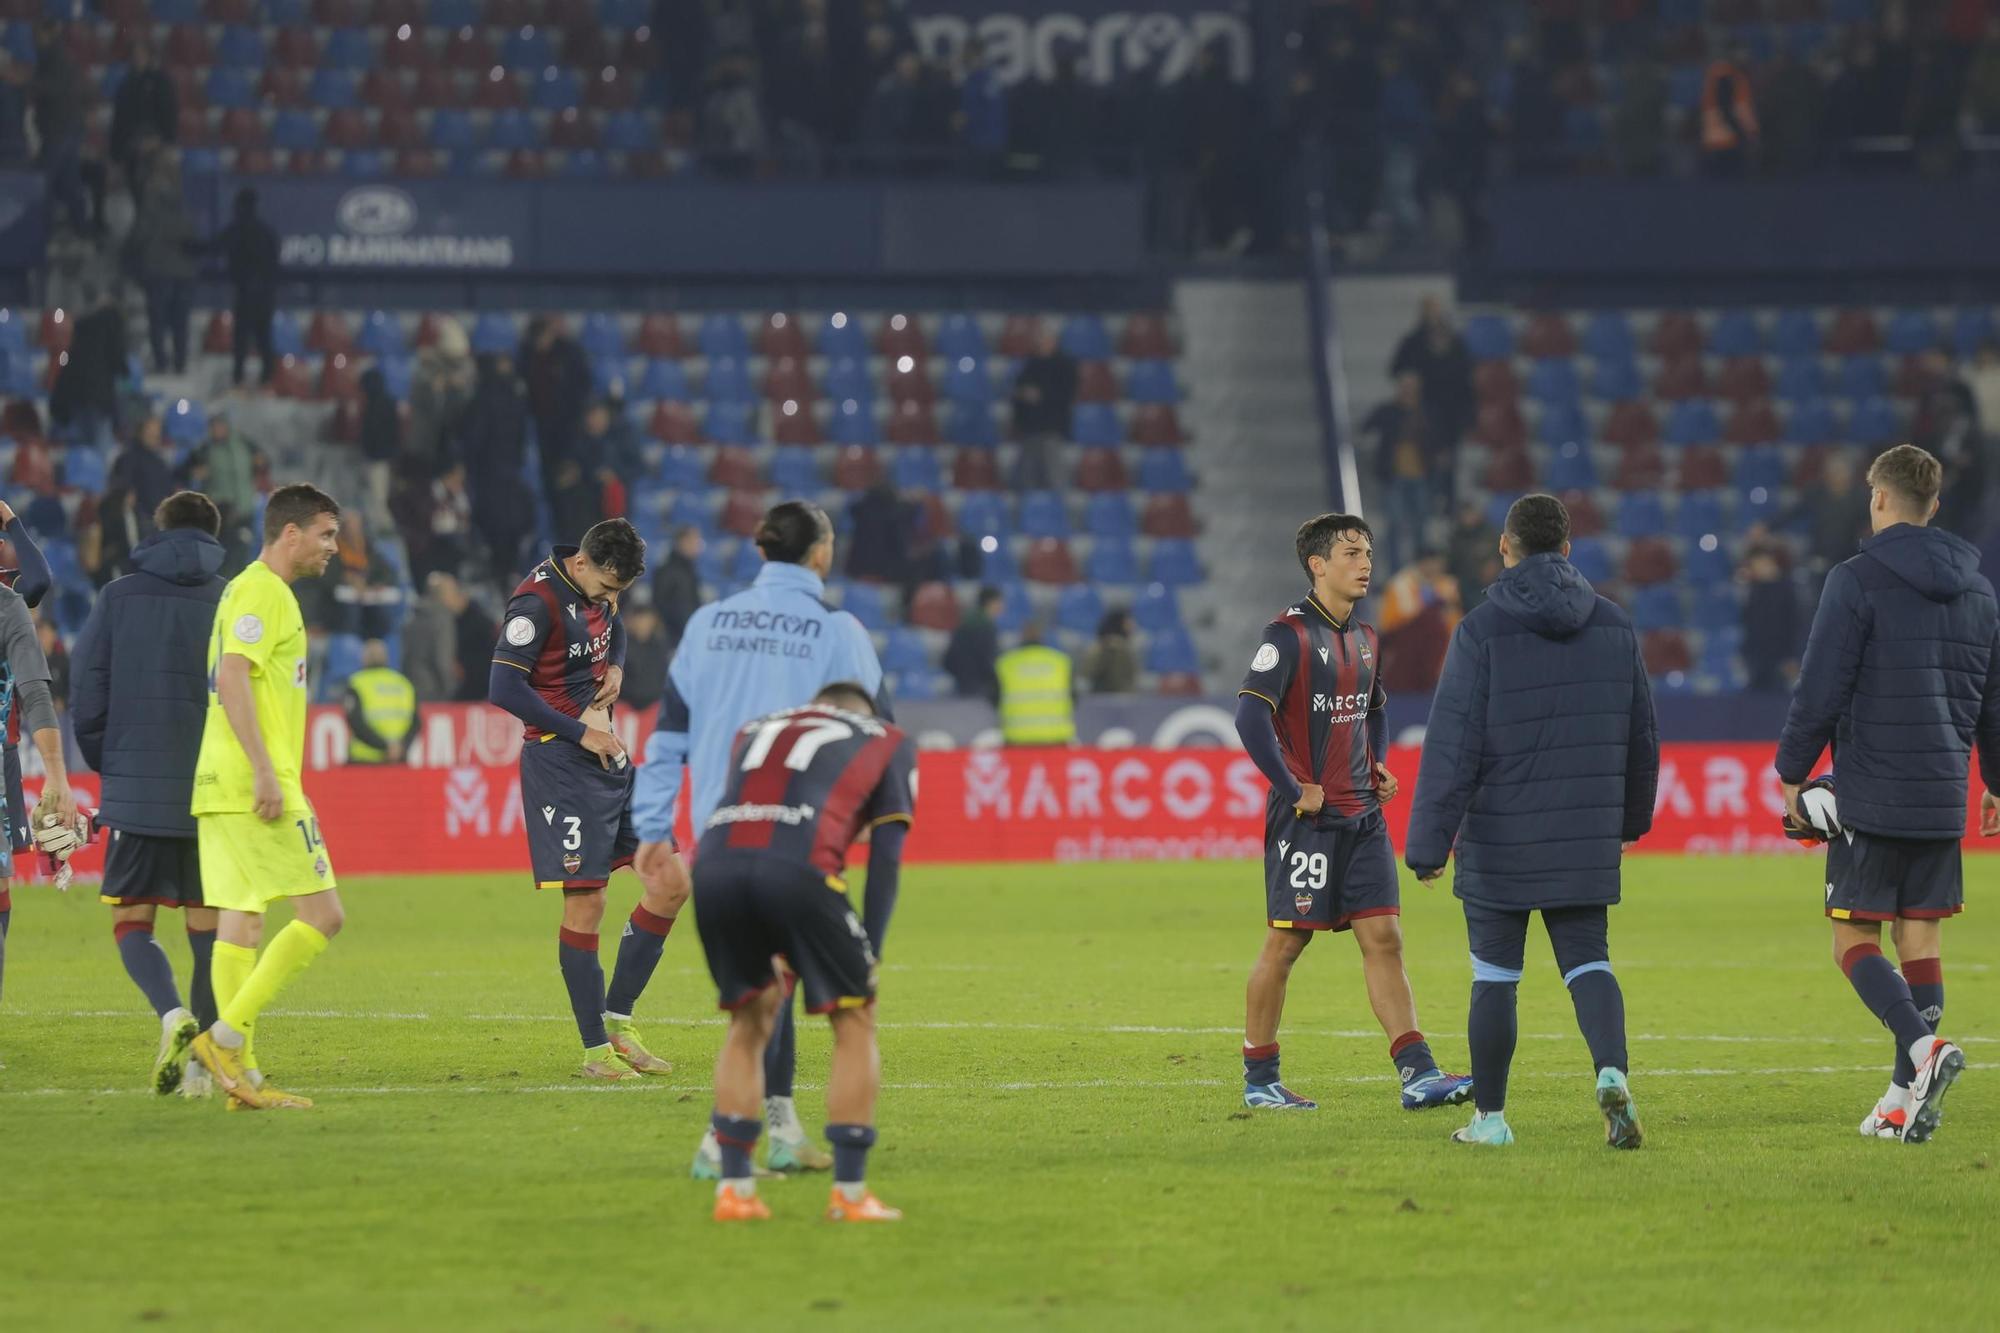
<point x="1308" y="871"/>
<point x="574" y="838"/>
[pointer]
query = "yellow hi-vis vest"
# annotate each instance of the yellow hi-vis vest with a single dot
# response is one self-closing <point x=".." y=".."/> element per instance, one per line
<point x="1035" y="703"/>
<point x="388" y="704"/>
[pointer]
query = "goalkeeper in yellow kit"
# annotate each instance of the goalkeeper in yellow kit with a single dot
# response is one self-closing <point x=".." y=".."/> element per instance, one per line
<point x="258" y="836"/>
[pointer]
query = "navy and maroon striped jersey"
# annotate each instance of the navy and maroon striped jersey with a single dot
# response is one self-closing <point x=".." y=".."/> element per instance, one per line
<point x="564" y="641"/>
<point x="1320" y="676"/>
<point x="804" y="783"/>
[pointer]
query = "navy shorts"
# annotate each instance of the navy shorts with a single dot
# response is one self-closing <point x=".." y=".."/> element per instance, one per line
<point x="18" y="837"/>
<point x="1581" y="936"/>
<point x="1870" y="877"/>
<point x="142" y="870"/>
<point x="1326" y="878"/>
<point x="752" y="906"/>
<point x="578" y="815"/>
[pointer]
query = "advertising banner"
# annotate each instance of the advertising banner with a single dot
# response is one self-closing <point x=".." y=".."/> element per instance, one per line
<point x="1023" y="38"/>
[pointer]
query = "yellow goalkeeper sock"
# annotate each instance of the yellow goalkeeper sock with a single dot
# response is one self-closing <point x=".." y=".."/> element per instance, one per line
<point x="291" y="953"/>
<point x="229" y="967"/>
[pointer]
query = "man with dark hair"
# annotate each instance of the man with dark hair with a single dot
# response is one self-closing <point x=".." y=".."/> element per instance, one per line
<point x="138" y="699"/>
<point x="769" y="647"/>
<point x="1310" y="713"/>
<point x="1539" y="767"/>
<point x="677" y="585"/>
<point x="810" y="781"/>
<point x="559" y="667"/>
<point x="259" y="840"/>
<point x="1902" y="676"/>
<point x="145" y="112"/>
<point x="249" y="247"/>
<point x="973" y="655"/>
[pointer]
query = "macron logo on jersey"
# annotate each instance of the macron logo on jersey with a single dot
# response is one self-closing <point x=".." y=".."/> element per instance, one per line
<point x="1323" y="655"/>
<point x="572" y="610"/>
<point x="541" y="575"/>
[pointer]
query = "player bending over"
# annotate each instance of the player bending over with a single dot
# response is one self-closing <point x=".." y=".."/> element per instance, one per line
<point x="1902" y="674"/>
<point x="27" y="573"/>
<point x="1310" y="715"/>
<point x="258" y="838"/>
<point x="558" y="667"/>
<point x="803" y="784"/>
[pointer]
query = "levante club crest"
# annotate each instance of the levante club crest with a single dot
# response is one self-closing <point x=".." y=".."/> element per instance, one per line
<point x="1302" y="901"/>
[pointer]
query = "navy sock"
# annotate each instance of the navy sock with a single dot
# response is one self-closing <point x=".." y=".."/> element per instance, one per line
<point x="1490" y="1030"/>
<point x="1925" y="978"/>
<point x="1411" y="1055"/>
<point x="201" y="991"/>
<point x="638" y="954"/>
<point x="781" y="1054"/>
<point x="1600" y="1013"/>
<point x="6" y="915"/>
<point x="1260" y="1064"/>
<point x="1884" y="992"/>
<point x="584" y="976"/>
<point x="850" y="1152"/>
<point x="737" y="1136"/>
<point x="146" y="963"/>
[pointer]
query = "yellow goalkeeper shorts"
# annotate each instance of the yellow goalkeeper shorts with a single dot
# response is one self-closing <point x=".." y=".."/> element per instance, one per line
<point x="246" y="862"/>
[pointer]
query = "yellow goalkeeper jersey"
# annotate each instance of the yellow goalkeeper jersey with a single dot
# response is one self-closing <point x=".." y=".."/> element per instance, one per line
<point x="258" y="619"/>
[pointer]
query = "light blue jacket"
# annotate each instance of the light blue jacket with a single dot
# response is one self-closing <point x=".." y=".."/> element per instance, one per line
<point x="774" y="645"/>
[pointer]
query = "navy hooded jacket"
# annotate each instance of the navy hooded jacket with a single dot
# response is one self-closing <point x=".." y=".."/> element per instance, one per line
<point x="1902" y="675"/>
<point x="139" y="682"/>
<point x="1542" y="756"/>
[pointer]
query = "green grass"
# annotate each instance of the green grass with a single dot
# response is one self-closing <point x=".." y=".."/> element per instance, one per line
<point x="1062" y="1125"/>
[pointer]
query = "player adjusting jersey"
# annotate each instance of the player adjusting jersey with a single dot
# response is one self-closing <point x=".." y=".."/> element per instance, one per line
<point x="1320" y="677"/>
<point x="803" y="783"/>
<point x="563" y="641"/>
<point x="258" y="619"/>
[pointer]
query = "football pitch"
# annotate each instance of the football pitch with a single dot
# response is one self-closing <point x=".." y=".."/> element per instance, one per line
<point x="1061" y="1122"/>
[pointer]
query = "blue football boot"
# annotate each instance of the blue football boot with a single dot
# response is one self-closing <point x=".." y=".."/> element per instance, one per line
<point x="1275" y="1097"/>
<point x="1621" y="1121"/>
<point x="1436" y="1088"/>
<point x="1488" y="1128"/>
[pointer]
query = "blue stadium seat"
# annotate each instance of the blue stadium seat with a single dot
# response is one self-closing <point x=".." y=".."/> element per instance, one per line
<point x="1616" y="381"/>
<point x="841" y="335"/>
<point x="557" y="89"/>
<point x="746" y="563"/>
<point x="239" y="47"/>
<point x="1112" y="562"/>
<point x="728" y="381"/>
<point x="1079" y="608"/>
<point x="85" y="469"/>
<point x="1861" y="377"/>
<point x="904" y="651"/>
<point x="13" y="331"/>
<point x="998" y="567"/>
<point x="1571" y="468"/>
<point x="365" y="164"/>
<point x="1085" y="338"/>
<point x="609" y="376"/>
<point x="1174" y="563"/>
<point x="1735" y="333"/>
<point x="1715" y="608"/>
<point x="1796" y="333"/>
<point x="197" y="160"/>
<point x="683" y="468"/>
<point x="230" y="88"/>
<point x="1109" y="515"/>
<point x="796" y="472"/>
<point x="1800" y="378"/>
<point x="512" y="129"/>
<point x="527" y="48"/>
<point x="1692" y="421"/>
<point x="295" y="130"/>
<point x="186" y="421"/>
<point x="583" y="164"/>
<point x="722" y="336"/>
<point x="665" y="380"/>
<point x="1910" y="331"/>
<point x="867" y="603"/>
<point x="1489" y="337"/>
<point x="1157" y="609"/>
<point x="708" y="565"/>
<point x="348" y="48"/>
<point x="453" y="130"/>
<point x="1043" y="515"/>
<point x="691" y="509"/>
<point x="343" y="659"/>
<point x="629" y="132"/>
<point x="1497" y="507"/>
<point x="959" y="335"/>
<point x="916" y="468"/>
<point x="920" y="686"/>
<point x="1583" y="129"/>
<point x="1590" y="558"/>
<point x="285" y="13"/>
<point x="1608" y="337"/>
<point x="966" y="381"/>
<point x="1811" y="422"/>
<point x="1015" y="608"/>
<point x="1552" y="382"/>
<point x="1171" y="652"/>
<point x="972" y="423"/>
<point x="731" y="423"/>
<point x="1152" y="382"/>
<point x="1164" y="470"/>
<point x="1657" y="607"/>
<point x="381" y="334"/>
<point x="600" y="335"/>
<point x="396" y="375"/>
<point x="494" y="332"/>
<point x="1096" y="424"/>
<point x="1708" y="562"/>
<point x="1699" y="514"/>
<point x="1971" y="329"/>
<point x="1763" y="465"/>
<point x="852" y="422"/>
<point x="333" y="90"/>
<point x="1641" y="514"/>
<point x="1719" y="667"/>
<point x="847" y="377"/>
<point x="1875" y="421"/>
<point x="1759" y="504"/>
<point x="982" y="513"/>
<point x="453" y="13"/>
<point x="1562" y="423"/>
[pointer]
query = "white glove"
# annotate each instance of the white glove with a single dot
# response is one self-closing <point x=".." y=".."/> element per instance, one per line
<point x="57" y="837"/>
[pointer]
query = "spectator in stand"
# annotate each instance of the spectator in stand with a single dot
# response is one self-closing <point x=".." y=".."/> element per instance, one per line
<point x="441" y="387"/>
<point x="1221" y="124"/>
<point x="381" y="437"/>
<point x="879" y="550"/>
<point x="647" y="650"/>
<point x="677" y="584"/>
<point x="1947" y="425"/>
<point x="889" y="120"/>
<point x="1399" y="436"/>
<point x="1771" y="629"/>
<point x="447" y="540"/>
<point x="162" y="245"/>
<point x="1404" y="115"/>
<point x="1111" y="663"/>
<point x="576" y="503"/>
<point x="105" y="547"/>
<point x="801" y="81"/>
<point x="145" y="467"/>
<point x="1473" y="558"/>
<point x="982" y="107"/>
<point x="971" y="656"/>
<point x="1791" y="109"/>
<point x="1044" y="401"/>
<point x="1436" y="352"/>
<point x="430" y="639"/>
<point x="86" y="390"/>
<point x="493" y="432"/>
<point x="1419" y="610"/>
<point x="1054" y="119"/>
<point x="1729" y="130"/>
<point x="145" y="113"/>
<point x="59" y="100"/>
<point x="359" y="593"/>
<point x="557" y="376"/>
<point x="608" y="450"/>
<point x="732" y="120"/>
<point x="225" y="469"/>
<point x="1639" y="121"/>
<point x="380" y="704"/>
<point x="57" y="653"/>
<point x="1465" y="148"/>
<point x="249" y="249"/>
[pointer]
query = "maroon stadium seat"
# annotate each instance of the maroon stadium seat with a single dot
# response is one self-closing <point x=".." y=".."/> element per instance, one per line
<point x="1155" y="424"/>
<point x="1168" y="516"/>
<point x="1914" y="377"/>
<point x="1650" y="560"/>
<point x="674" y="423"/>
<point x="283" y="88"/>
<point x="418" y="164"/>
<point x="397" y="128"/>
<point x="912" y="385"/>
<point x="1495" y="382"/>
<point x="857" y="469"/>
<point x="912" y="422"/>
<point x="512" y="13"/>
<point x="937" y="523"/>
<point x="241" y="128"/>
<point x="308" y="162"/>
<point x="611" y="89"/>
<point x="392" y="14"/>
<point x="1640" y="468"/>
<point x="230" y="11"/>
<point x="218" y="335"/>
<point x="194" y="131"/>
<point x="437" y="88"/>
<point x="1744" y="377"/>
<point x="1146" y="337"/>
<point x="427" y="330"/>
<point x="793" y="422"/>
<point x="1680" y="378"/>
<point x="1019" y="335"/>
<point x="1510" y="470"/>
<point x="385" y="90"/>
<point x="735" y="469"/>
<point x="660" y="336"/>
<point x="1101" y="470"/>
<point x="497" y="90"/>
<point x="934" y="606"/>
<point x="1752" y="423"/>
<point x="189" y="88"/>
<point x="587" y="48"/>
<point x="1585" y="518"/>
<point x="743" y="513"/>
<point x="902" y="335"/>
<point x="415" y="52"/>
<point x="1548" y="334"/>
<point x="55" y="331"/>
<point x="786" y="378"/>
<point x="975" y="470"/>
<point x="1179" y="685"/>
<point x="1666" y="650"/>
<point x="1811" y="465"/>
<point x="468" y="49"/>
<point x="1500" y="426"/>
<point x="780" y="336"/>
<point x="337" y="13"/>
<point x="1703" y="468"/>
<point x="1095" y="383"/>
<point x="328" y="332"/>
<point x="1049" y="561"/>
<point x="526" y="164"/>
<point x="348" y="128"/>
<point x="1853" y="332"/>
<point x="571" y="128"/>
<point x="1630" y="423"/>
<point x="1676" y="335"/>
<point x="255" y="161"/>
<point x="295" y="47"/>
<point x="187" y="47"/>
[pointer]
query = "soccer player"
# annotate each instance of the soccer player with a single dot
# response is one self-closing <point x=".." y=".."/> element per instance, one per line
<point x="769" y="647"/>
<point x="258" y="838"/>
<point x="802" y="785"/>
<point x="1310" y="715"/>
<point x="25" y="569"/>
<point x="138" y="699"/>
<point x="1902" y="674"/>
<point x="558" y="667"/>
<point x="1540" y="760"/>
